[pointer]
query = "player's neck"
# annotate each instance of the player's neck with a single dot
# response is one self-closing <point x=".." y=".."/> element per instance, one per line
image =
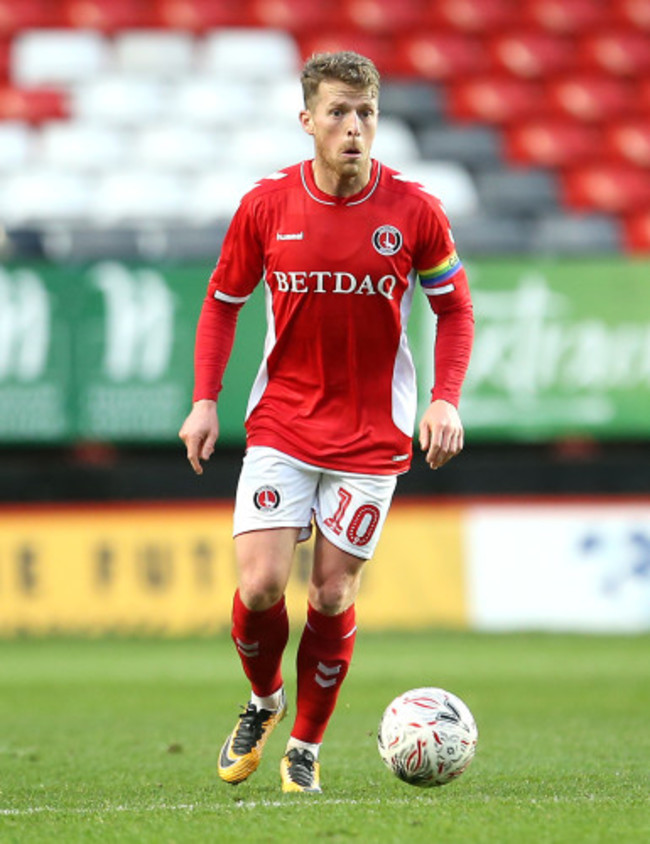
<point x="334" y="183"/>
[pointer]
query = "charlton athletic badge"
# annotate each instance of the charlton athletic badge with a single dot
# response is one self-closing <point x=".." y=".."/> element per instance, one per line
<point x="267" y="498"/>
<point x="387" y="240"/>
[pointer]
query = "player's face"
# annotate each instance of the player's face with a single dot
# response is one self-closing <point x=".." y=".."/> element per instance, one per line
<point x="343" y="123"/>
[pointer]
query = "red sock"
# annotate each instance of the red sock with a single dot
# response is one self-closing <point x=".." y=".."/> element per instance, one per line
<point x="323" y="660"/>
<point x="260" y="638"/>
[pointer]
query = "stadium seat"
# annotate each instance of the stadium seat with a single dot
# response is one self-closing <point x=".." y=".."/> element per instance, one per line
<point x="565" y="17"/>
<point x="108" y="16"/>
<point x="552" y="143"/>
<point x="57" y="56"/>
<point x="180" y="147"/>
<point x="450" y="182"/>
<point x="440" y="56"/>
<point x="395" y="142"/>
<point x="418" y="102"/>
<point x="33" y="105"/>
<point x="494" y="99"/>
<point x="590" y="97"/>
<point x="17" y="145"/>
<point x="381" y="16"/>
<point x="578" y="235"/>
<point x="295" y="16"/>
<point x="621" y="53"/>
<point x="637" y="231"/>
<point x="266" y="147"/>
<point x="490" y="234"/>
<point x="120" y="100"/>
<point x="611" y="188"/>
<point x="214" y="196"/>
<point x="136" y="196"/>
<point x="512" y="192"/>
<point x="153" y="53"/>
<point x="378" y="47"/>
<point x="27" y="14"/>
<point x="629" y="140"/>
<point x="531" y="55"/>
<point x="38" y="195"/>
<point x="199" y="15"/>
<point x="635" y="13"/>
<point x="69" y="145"/>
<point x="472" y="146"/>
<point x="5" y="53"/>
<point x="472" y="16"/>
<point x="249" y="54"/>
<point x="208" y="101"/>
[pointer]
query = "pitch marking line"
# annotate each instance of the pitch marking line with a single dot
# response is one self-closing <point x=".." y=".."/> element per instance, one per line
<point x="195" y="807"/>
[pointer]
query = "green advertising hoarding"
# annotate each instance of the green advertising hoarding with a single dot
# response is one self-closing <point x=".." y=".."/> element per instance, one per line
<point x="104" y="351"/>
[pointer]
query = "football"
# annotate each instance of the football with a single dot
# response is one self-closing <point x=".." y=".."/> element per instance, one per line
<point x="427" y="737"/>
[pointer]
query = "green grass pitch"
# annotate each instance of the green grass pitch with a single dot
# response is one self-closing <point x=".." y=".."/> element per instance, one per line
<point x="116" y="740"/>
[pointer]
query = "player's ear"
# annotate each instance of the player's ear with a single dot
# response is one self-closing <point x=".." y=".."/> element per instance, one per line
<point x="306" y="121"/>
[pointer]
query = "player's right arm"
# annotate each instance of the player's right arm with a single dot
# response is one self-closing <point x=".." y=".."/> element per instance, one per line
<point x="237" y="273"/>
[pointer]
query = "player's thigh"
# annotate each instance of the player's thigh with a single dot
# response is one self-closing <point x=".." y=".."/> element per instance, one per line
<point x="264" y="559"/>
<point x="351" y="510"/>
<point x="274" y="491"/>
<point x="335" y="577"/>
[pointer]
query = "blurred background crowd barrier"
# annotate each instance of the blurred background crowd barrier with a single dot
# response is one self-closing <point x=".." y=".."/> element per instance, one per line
<point x="128" y="132"/>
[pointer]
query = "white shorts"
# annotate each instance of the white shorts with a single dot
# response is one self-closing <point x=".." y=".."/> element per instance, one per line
<point x="276" y="490"/>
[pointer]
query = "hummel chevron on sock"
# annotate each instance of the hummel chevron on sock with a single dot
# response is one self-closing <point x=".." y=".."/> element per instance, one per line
<point x="323" y="659"/>
<point x="260" y="638"/>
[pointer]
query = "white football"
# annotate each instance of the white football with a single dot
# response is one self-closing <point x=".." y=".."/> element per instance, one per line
<point x="427" y="737"/>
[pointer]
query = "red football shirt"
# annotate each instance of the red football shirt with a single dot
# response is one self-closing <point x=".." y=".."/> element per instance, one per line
<point x="336" y="387"/>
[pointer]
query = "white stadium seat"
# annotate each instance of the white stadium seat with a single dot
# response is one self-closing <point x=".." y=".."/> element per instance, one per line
<point x="71" y="145"/>
<point x="179" y="147"/>
<point x="395" y="141"/>
<point x="450" y="182"/>
<point x="208" y="101"/>
<point x="254" y="54"/>
<point x="124" y="100"/>
<point x="215" y="196"/>
<point x="154" y="53"/>
<point x="57" y="56"/>
<point x="40" y="195"/>
<point x="138" y="196"/>
<point x="17" y="145"/>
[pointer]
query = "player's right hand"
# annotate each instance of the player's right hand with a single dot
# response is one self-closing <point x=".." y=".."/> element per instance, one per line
<point x="200" y="432"/>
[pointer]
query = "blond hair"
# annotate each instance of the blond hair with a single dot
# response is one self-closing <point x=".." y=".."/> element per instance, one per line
<point x="345" y="66"/>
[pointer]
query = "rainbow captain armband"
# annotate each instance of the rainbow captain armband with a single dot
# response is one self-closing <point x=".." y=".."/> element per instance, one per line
<point x="436" y="280"/>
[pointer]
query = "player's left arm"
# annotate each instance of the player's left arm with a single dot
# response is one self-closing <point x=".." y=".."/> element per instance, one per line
<point x="444" y="281"/>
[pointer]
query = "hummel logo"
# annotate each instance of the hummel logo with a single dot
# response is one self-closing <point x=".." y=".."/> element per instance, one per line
<point x="296" y="236"/>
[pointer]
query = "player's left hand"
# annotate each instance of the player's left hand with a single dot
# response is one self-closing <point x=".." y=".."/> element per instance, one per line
<point x="441" y="433"/>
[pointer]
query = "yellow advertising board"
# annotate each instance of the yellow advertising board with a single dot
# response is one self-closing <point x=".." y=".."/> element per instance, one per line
<point x="170" y="569"/>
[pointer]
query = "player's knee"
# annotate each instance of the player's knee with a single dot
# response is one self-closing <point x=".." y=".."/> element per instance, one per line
<point x="334" y="596"/>
<point x="259" y="592"/>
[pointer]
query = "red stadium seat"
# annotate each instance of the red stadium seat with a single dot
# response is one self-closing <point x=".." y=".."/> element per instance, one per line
<point x="293" y="15"/>
<point x="566" y="17"/>
<point x="493" y="99"/>
<point x="612" y="188"/>
<point x="552" y="143"/>
<point x="381" y="16"/>
<point x="642" y="93"/>
<point x="532" y="55"/>
<point x="637" y="231"/>
<point x="590" y="97"/>
<point x="635" y="13"/>
<point x="27" y="14"/>
<point x="620" y="52"/>
<point x="107" y="15"/>
<point x="472" y="16"/>
<point x="198" y="15"/>
<point x="441" y="56"/>
<point x="4" y="61"/>
<point x="33" y="105"/>
<point x="377" y="47"/>
<point x="629" y="140"/>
